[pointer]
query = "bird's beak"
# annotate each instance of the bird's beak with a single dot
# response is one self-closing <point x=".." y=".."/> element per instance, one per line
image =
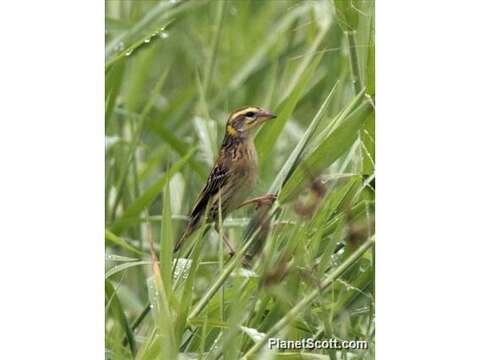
<point x="266" y="115"/>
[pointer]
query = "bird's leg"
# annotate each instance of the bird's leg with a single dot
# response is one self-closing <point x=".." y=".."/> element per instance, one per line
<point x="259" y="201"/>
<point x="230" y="247"/>
<point x="231" y="250"/>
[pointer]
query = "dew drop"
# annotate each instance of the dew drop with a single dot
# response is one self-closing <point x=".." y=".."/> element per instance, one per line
<point x="120" y="46"/>
<point x="163" y="35"/>
<point x="129" y="52"/>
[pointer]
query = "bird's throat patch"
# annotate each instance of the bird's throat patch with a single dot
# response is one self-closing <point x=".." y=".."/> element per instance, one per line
<point x="231" y="131"/>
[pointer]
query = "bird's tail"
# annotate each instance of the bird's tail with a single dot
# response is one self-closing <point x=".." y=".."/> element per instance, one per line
<point x="191" y="228"/>
<point x="184" y="236"/>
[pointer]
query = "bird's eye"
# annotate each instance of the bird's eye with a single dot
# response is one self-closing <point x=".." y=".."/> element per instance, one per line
<point x="250" y="114"/>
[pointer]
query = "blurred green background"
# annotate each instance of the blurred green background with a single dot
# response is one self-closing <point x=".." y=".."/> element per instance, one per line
<point x="174" y="70"/>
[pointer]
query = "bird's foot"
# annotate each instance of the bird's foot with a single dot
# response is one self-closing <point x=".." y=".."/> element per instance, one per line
<point x="260" y="201"/>
<point x="226" y="241"/>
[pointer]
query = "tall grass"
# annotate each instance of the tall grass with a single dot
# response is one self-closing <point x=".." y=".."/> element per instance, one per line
<point x="174" y="70"/>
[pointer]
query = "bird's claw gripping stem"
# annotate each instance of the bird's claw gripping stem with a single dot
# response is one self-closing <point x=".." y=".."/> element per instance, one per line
<point x="260" y="201"/>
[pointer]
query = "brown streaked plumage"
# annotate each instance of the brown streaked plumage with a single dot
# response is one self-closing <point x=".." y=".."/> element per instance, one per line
<point x="234" y="172"/>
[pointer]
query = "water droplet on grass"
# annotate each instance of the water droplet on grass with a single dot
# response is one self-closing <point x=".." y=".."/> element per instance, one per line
<point x="120" y="46"/>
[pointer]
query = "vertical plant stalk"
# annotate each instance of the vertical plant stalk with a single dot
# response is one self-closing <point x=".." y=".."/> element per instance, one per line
<point x="136" y="188"/>
<point x="221" y="279"/>
<point x="354" y="61"/>
<point x="357" y="83"/>
<point x="221" y="245"/>
<point x="290" y="316"/>
<point x="164" y="306"/>
<point x="213" y="55"/>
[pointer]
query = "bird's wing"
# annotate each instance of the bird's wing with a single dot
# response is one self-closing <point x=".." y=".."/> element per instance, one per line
<point x="217" y="179"/>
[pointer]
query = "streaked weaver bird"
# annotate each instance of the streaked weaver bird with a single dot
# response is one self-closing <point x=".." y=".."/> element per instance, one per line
<point x="233" y="175"/>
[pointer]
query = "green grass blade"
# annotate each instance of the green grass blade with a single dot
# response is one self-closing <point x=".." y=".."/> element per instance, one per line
<point x="166" y="242"/>
<point x="161" y="13"/>
<point x="327" y="253"/>
<point x="187" y="294"/>
<point x="149" y="195"/>
<point x="336" y="143"/>
<point x="125" y="164"/>
<point x="210" y="64"/>
<point x="268" y="135"/>
<point x="119" y="314"/>
<point x="119" y="268"/>
<point x="220" y="280"/>
<point x="111" y="238"/>
<point x="306" y="60"/>
<point x="179" y="146"/>
<point x="292" y="159"/>
<point x="206" y="134"/>
<point x="113" y="83"/>
<point x="162" y="318"/>
<point x="261" y="53"/>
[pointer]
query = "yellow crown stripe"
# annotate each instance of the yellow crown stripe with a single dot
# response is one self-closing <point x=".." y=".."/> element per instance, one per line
<point x="243" y="111"/>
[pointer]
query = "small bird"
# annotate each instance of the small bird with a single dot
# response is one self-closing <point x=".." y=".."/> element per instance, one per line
<point x="234" y="172"/>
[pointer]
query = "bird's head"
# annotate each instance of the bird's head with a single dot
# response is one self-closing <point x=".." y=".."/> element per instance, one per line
<point x="243" y="122"/>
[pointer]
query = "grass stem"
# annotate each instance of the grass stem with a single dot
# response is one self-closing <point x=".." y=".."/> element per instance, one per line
<point x="354" y="61"/>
